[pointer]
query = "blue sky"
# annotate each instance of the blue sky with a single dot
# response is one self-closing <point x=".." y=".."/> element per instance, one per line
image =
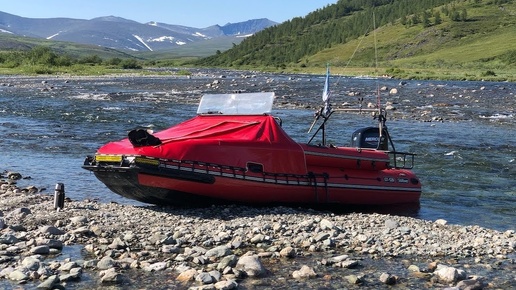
<point x="192" y="13"/>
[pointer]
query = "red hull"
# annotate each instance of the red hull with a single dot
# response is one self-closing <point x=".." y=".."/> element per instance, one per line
<point x="249" y="159"/>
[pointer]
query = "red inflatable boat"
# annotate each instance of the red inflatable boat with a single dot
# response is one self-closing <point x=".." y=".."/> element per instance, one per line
<point x="235" y="151"/>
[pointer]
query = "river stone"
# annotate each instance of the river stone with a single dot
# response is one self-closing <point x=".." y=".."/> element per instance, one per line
<point x="84" y="230"/>
<point x="288" y="252"/>
<point x="78" y="220"/>
<point x="187" y="275"/>
<point x="441" y="222"/>
<point x="117" y="244"/>
<point x="14" y="175"/>
<point x="18" y="275"/>
<point x="32" y="263"/>
<point x="19" y="213"/>
<point x="159" y="266"/>
<point x="391" y="224"/>
<point x="338" y="259"/>
<point x="218" y="252"/>
<point x="472" y="284"/>
<point x="51" y="230"/>
<point x="251" y="265"/>
<point x="446" y="274"/>
<point x="325" y="224"/>
<point x="226" y="285"/>
<point x="215" y="275"/>
<point x="321" y="236"/>
<point x="105" y="263"/>
<point x="171" y="249"/>
<point x="68" y="266"/>
<point x="349" y="264"/>
<point x="204" y="278"/>
<point x="388" y="279"/>
<point x="227" y="261"/>
<point x="49" y="283"/>
<point x="111" y="276"/>
<point x="51" y="243"/>
<point x="40" y="250"/>
<point x="353" y="279"/>
<point x="304" y="273"/>
<point x="8" y="239"/>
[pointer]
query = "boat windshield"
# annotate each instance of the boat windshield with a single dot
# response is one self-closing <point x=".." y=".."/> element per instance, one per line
<point x="236" y="104"/>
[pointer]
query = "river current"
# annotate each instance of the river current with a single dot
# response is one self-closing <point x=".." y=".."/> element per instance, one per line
<point x="462" y="132"/>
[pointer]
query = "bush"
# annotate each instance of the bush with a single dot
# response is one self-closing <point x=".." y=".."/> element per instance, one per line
<point x="130" y="64"/>
<point x="489" y="73"/>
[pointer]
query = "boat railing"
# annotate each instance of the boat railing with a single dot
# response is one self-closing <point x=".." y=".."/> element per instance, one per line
<point x="401" y="160"/>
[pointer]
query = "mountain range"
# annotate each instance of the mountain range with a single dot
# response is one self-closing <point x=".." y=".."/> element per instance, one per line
<point x="127" y="35"/>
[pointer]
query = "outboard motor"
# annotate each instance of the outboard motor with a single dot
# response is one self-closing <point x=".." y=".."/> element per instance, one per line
<point x="369" y="137"/>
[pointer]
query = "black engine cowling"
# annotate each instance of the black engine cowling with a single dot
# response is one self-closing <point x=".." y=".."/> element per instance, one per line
<point x="369" y="137"/>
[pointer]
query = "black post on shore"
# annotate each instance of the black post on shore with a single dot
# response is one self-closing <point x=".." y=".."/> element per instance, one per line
<point x="59" y="196"/>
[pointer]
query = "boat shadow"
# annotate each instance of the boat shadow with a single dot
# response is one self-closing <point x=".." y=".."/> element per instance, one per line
<point x="232" y="210"/>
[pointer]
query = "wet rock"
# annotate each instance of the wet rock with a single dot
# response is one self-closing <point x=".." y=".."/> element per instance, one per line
<point x="106" y="263"/>
<point x="228" y="261"/>
<point x="388" y="279"/>
<point x="475" y="283"/>
<point x="19" y="275"/>
<point x="111" y="276"/>
<point x="159" y="266"/>
<point x="31" y="263"/>
<point x="251" y="265"/>
<point x="40" y="250"/>
<point x="49" y="283"/>
<point x="14" y="175"/>
<point x="226" y="285"/>
<point x="68" y="266"/>
<point x="288" y="252"/>
<point x="447" y="274"/>
<point x="354" y="279"/>
<point x="304" y="273"/>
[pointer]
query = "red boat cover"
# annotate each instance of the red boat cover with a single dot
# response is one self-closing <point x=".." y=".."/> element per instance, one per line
<point x="225" y="140"/>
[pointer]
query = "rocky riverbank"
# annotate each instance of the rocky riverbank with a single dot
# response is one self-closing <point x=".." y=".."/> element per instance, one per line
<point x="93" y="245"/>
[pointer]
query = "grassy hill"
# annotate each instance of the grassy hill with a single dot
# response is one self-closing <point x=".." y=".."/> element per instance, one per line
<point x="9" y="42"/>
<point x="479" y="44"/>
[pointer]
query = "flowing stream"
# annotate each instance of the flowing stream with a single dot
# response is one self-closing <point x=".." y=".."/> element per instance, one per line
<point x="463" y="132"/>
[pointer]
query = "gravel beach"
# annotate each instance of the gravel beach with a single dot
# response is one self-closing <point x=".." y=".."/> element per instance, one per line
<point x="88" y="245"/>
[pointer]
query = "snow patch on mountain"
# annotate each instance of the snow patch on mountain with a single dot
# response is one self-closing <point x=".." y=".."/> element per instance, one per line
<point x="143" y="42"/>
<point x="52" y="36"/>
<point x="162" y="39"/>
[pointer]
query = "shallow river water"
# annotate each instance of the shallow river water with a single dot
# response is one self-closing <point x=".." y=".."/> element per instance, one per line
<point x="463" y="132"/>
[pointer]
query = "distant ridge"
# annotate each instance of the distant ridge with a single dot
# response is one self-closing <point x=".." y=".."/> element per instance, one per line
<point x="124" y="34"/>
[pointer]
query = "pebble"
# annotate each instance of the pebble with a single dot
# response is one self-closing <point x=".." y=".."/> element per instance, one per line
<point x="215" y="247"/>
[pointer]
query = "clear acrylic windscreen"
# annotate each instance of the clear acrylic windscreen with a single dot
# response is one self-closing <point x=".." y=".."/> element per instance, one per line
<point x="236" y="104"/>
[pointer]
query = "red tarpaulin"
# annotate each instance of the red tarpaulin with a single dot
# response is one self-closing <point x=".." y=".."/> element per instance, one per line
<point x="225" y="140"/>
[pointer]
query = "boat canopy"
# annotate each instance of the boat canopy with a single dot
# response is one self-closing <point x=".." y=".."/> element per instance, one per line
<point x="227" y="140"/>
<point x="236" y="104"/>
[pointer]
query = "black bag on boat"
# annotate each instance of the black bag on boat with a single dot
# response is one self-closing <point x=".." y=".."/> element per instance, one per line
<point x="140" y="138"/>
